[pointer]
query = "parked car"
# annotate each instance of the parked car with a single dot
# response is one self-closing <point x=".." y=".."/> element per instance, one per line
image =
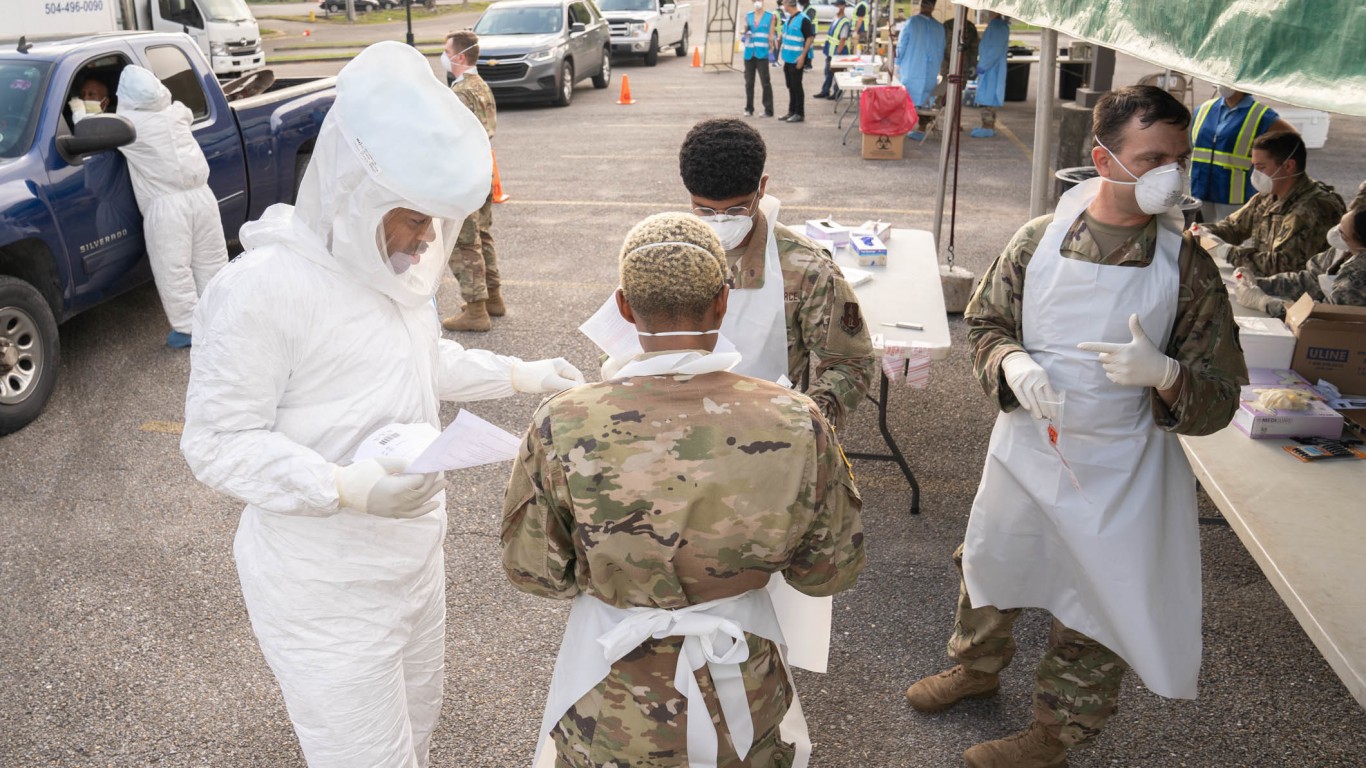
<point x="534" y="50"/>
<point x="361" y="6"/>
<point x="642" y="27"/>
<point x="70" y="230"/>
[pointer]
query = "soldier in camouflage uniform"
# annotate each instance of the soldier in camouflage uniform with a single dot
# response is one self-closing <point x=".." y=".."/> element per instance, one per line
<point x="722" y="165"/>
<point x="474" y="261"/>
<point x="675" y="486"/>
<point x="1336" y="276"/>
<point x="1077" y="684"/>
<point x="1278" y="230"/>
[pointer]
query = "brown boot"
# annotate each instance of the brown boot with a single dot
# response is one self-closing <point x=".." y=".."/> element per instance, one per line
<point x="1034" y="747"/>
<point x="937" y="693"/>
<point x="474" y="318"/>
<point x="495" y="304"/>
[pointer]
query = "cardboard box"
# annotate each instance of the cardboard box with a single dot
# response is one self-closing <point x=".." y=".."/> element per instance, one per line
<point x="883" y="147"/>
<point x="869" y="250"/>
<point x="1318" y="420"/>
<point x="828" y="230"/>
<point x="1267" y="342"/>
<point x="1330" y="343"/>
<point x="880" y="229"/>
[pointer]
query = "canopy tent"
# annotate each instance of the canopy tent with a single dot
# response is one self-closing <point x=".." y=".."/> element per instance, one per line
<point x="1303" y="52"/>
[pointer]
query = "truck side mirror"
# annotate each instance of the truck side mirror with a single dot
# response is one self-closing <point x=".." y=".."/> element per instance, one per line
<point x="577" y="28"/>
<point x="667" y="7"/>
<point x="94" y="134"/>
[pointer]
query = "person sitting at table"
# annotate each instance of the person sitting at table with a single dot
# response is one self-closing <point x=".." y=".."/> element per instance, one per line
<point x="791" y="308"/>
<point x="1335" y="276"/>
<point x="1286" y="221"/>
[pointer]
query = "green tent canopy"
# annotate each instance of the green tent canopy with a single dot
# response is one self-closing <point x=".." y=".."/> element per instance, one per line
<point x="1310" y="53"/>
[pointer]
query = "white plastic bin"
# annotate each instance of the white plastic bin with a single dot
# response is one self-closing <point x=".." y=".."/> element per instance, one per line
<point x="1311" y="123"/>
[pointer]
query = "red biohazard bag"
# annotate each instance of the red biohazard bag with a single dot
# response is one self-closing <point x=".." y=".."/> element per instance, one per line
<point x="886" y="110"/>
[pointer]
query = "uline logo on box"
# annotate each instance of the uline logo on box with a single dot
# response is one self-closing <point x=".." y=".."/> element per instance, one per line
<point x="1326" y="355"/>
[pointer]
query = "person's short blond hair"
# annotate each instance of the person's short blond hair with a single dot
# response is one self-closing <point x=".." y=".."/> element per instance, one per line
<point x="672" y="267"/>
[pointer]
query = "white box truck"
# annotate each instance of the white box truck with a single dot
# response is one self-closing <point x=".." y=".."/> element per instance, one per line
<point x="224" y="30"/>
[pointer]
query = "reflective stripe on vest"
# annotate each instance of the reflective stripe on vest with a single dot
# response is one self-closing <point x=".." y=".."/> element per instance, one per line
<point x="758" y="37"/>
<point x="1239" y="161"/>
<point x="832" y="36"/>
<point x="793" y="39"/>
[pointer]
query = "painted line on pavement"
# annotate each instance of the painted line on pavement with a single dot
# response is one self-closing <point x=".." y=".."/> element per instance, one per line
<point x="1009" y="134"/>
<point x="164" y="427"/>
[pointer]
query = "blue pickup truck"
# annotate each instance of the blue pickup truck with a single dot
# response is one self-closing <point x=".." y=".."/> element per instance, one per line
<point x="70" y="231"/>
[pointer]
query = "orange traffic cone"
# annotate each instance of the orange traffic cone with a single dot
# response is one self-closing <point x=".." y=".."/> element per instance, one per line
<point x="626" y="91"/>
<point x="696" y="56"/>
<point x="308" y="32"/>
<point x="499" y="196"/>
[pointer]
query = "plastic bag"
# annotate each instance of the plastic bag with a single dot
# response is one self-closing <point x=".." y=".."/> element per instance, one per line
<point x="886" y="110"/>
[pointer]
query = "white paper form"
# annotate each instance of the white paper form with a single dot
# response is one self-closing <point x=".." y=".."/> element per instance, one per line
<point x="469" y="441"/>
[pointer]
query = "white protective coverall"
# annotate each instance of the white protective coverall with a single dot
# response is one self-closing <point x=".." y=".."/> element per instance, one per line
<point x="180" y="220"/>
<point x="306" y="344"/>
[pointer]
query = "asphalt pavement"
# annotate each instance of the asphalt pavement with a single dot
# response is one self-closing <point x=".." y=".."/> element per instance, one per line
<point x="124" y="642"/>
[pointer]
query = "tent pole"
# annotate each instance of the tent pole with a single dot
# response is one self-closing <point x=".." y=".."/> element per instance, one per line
<point x="1043" y="122"/>
<point x="948" y="127"/>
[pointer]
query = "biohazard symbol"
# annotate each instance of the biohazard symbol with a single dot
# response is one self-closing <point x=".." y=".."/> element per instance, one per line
<point x="884" y="143"/>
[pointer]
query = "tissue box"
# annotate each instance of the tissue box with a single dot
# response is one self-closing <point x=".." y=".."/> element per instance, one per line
<point x="869" y="250"/>
<point x="1267" y="342"/>
<point x="880" y="229"/>
<point x="1318" y="420"/>
<point x="826" y="229"/>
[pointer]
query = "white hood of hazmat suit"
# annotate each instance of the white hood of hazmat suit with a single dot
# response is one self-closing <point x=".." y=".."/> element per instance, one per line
<point x="305" y="345"/>
<point x="182" y="227"/>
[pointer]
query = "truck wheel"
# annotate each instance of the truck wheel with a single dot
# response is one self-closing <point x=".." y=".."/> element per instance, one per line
<point x="566" y="94"/>
<point x="652" y="55"/>
<point x="682" y="48"/>
<point x="29" y="353"/>
<point x="604" y="78"/>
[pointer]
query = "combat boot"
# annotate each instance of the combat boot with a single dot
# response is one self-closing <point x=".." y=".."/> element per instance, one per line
<point x="496" y="307"/>
<point x="1034" y="747"/>
<point x="474" y="318"/>
<point x="937" y="693"/>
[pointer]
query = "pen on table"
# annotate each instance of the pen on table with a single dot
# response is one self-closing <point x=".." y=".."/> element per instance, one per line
<point x="907" y="326"/>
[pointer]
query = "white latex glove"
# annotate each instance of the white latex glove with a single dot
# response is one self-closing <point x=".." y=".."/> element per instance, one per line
<point x="1249" y="295"/>
<point x="77" y="106"/>
<point x="1138" y="363"/>
<point x="1029" y="381"/>
<point x="540" y="376"/>
<point x="378" y="487"/>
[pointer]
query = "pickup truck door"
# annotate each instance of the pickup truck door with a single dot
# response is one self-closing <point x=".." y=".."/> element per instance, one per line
<point x="93" y="204"/>
<point x="183" y="70"/>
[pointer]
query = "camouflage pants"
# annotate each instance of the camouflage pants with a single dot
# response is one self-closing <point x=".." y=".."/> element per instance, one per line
<point x="474" y="262"/>
<point x="988" y="116"/>
<point x="1076" y="688"/>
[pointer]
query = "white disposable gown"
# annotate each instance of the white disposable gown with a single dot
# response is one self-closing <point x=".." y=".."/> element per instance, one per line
<point x="306" y="344"/>
<point x="919" y="51"/>
<point x="180" y="220"/>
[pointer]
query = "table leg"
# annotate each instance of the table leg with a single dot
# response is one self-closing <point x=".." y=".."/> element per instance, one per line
<point x="887" y="438"/>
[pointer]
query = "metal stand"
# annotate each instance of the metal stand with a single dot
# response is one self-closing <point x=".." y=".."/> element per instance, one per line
<point x="887" y="437"/>
<point x="719" y="50"/>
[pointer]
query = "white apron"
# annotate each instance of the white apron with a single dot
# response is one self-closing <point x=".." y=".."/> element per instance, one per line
<point x="755" y="320"/>
<point x="598" y="635"/>
<point x="1120" y="560"/>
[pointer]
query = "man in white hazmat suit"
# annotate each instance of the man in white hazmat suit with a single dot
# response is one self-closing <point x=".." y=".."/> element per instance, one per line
<point x="1102" y="332"/>
<point x="180" y="220"/>
<point x="322" y="332"/>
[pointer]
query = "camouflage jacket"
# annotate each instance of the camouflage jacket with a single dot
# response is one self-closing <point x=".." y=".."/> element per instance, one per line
<point x="971" y="41"/>
<point x="1204" y="338"/>
<point x="667" y="491"/>
<point x="825" y="327"/>
<point x="1349" y="282"/>
<point x="1359" y="202"/>
<point x="476" y="95"/>
<point x="1273" y="236"/>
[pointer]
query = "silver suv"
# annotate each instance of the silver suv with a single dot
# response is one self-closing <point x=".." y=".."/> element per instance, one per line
<point x="531" y="50"/>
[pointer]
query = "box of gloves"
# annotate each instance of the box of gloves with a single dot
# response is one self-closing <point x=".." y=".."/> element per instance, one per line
<point x="828" y="229"/>
<point x="869" y="250"/>
<point x="1279" y="403"/>
<point x="882" y="230"/>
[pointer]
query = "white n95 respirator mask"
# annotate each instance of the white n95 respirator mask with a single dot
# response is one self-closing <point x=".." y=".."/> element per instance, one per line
<point x="1158" y="190"/>
<point x="730" y="230"/>
<point x="1336" y="240"/>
